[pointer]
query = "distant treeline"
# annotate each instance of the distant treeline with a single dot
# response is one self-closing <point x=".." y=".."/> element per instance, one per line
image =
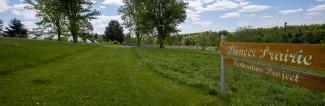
<point x="312" y="34"/>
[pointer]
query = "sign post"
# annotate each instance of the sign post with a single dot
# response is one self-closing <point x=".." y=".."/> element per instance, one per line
<point x="223" y="70"/>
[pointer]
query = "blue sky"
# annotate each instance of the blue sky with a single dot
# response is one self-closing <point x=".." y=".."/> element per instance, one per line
<point x="202" y="15"/>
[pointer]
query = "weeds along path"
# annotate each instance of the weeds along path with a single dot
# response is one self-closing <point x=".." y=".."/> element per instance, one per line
<point x="107" y="75"/>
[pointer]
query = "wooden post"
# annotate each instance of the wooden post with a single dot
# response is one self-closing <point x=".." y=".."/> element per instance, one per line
<point x="223" y="70"/>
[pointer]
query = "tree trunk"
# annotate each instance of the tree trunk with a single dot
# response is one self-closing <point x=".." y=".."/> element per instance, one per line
<point x="58" y="29"/>
<point x="138" y="38"/>
<point x="161" y="37"/>
<point x="161" y="43"/>
<point x="59" y="34"/>
<point x="75" y="38"/>
<point x="73" y="30"/>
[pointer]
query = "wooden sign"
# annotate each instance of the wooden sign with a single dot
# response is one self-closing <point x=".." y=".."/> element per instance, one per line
<point x="306" y="56"/>
<point x="283" y="74"/>
<point x="301" y="55"/>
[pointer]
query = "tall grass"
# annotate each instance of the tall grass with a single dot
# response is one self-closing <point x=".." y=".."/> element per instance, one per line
<point x="201" y="69"/>
<point x="18" y="54"/>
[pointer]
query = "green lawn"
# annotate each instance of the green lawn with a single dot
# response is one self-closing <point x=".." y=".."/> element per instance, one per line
<point x="101" y="75"/>
<point x="62" y="73"/>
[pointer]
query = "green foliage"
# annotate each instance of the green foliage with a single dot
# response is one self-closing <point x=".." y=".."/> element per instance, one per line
<point x="86" y="29"/>
<point x="164" y="16"/>
<point x="51" y="14"/>
<point x="202" y="69"/>
<point x="133" y="14"/>
<point x="77" y="11"/>
<point x="16" y="29"/>
<point x="21" y="54"/>
<point x="313" y="34"/>
<point x="114" y="32"/>
<point x="204" y="40"/>
<point x="157" y="17"/>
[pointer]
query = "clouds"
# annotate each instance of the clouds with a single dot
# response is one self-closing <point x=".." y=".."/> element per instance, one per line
<point x="113" y="2"/>
<point x="315" y="11"/>
<point x="26" y="14"/>
<point x="3" y="6"/>
<point x="102" y="7"/>
<point x="218" y="5"/>
<point x="267" y="17"/>
<point x="27" y="17"/>
<point x="286" y="12"/>
<point x="197" y="7"/>
<point x="221" y="5"/>
<point x="254" y="8"/>
<point x="231" y="15"/>
<point x="200" y="9"/>
<point x="312" y="13"/>
<point x="317" y="8"/>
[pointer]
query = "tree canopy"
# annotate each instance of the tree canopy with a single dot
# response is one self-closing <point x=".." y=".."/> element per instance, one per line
<point x="114" y="32"/>
<point x="76" y="11"/>
<point x="133" y="13"/>
<point x="61" y="12"/>
<point x="51" y="14"/>
<point x="157" y="17"/>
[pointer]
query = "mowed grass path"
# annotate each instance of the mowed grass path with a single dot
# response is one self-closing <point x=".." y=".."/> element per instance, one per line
<point x="105" y="75"/>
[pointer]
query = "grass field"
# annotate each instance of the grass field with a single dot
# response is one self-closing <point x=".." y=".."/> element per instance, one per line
<point x="201" y="69"/>
<point x="104" y="75"/>
<point x="59" y="73"/>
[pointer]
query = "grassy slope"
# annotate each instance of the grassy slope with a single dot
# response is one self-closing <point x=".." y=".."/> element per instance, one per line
<point x="201" y="69"/>
<point x="107" y="75"/>
<point x="17" y="54"/>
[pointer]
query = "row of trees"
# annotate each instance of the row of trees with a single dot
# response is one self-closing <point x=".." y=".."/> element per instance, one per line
<point x="312" y="34"/>
<point x="157" y="18"/>
<point x="153" y="17"/>
<point x="61" y="15"/>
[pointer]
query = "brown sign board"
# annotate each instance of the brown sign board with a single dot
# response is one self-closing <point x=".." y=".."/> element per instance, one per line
<point x="300" y="78"/>
<point x="306" y="56"/>
<point x="311" y="56"/>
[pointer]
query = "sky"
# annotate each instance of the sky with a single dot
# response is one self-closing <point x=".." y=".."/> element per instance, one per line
<point x="202" y="15"/>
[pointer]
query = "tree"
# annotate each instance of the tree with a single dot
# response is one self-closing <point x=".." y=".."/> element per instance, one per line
<point x="86" y="29"/>
<point x="96" y="36"/>
<point x="50" y="13"/>
<point x="204" y="39"/>
<point x="114" y="32"/>
<point x="163" y="17"/>
<point x="76" y="11"/>
<point x="133" y="13"/>
<point x="158" y="17"/>
<point x="16" y="29"/>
